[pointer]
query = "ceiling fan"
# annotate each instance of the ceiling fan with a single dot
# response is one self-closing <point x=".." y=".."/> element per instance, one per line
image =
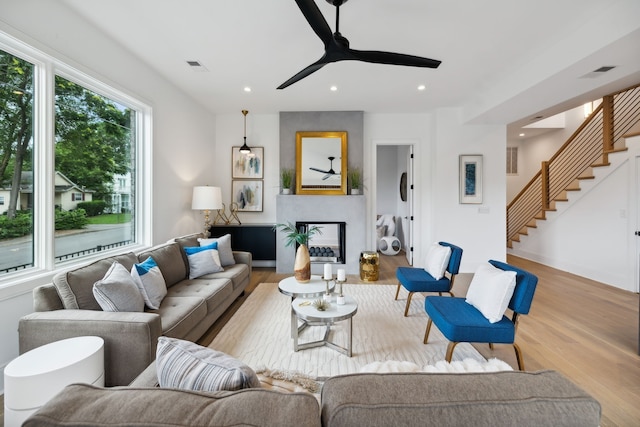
<point x="336" y="46"/>
<point x="328" y="173"/>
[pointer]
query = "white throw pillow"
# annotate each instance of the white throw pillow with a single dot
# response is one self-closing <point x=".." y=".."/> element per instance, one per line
<point x="150" y="281"/>
<point x="491" y="290"/>
<point x="189" y="366"/>
<point x="117" y="291"/>
<point x="224" y="248"/>
<point x="203" y="260"/>
<point x="437" y="260"/>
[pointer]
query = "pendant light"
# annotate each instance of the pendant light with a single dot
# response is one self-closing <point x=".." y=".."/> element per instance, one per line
<point x="245" y="148"/>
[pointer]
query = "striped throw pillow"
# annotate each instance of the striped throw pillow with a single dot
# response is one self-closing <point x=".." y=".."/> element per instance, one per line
<point x="189" y="366"/>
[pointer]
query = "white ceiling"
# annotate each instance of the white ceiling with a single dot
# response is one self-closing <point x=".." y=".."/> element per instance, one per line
<point x="505" y="59"/>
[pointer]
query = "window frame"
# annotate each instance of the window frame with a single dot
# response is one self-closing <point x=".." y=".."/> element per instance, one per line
<point x="46" y="67"/>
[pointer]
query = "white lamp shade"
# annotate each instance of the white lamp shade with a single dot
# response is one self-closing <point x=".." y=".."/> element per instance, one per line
<point x="206" y="198"/>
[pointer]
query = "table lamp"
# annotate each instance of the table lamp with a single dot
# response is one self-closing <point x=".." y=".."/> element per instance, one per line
<point x="206" y="198"/>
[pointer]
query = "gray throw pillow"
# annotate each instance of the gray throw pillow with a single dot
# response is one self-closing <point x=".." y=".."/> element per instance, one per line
<point x="224" y="248"/>
<point x="117" y="291"/>
<point x="189" y="366"/>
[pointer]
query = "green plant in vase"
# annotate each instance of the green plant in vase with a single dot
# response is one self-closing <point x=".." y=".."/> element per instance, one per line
<point x="286" y="177"/>
<point x="354" y="176"/>
<point x="293" y="235"/>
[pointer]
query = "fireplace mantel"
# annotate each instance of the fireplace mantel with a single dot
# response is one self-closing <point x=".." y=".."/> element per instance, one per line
<point x="350" y="209"/>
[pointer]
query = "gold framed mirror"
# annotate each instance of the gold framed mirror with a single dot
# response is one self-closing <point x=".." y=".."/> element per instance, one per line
<point x="321" y="163"/>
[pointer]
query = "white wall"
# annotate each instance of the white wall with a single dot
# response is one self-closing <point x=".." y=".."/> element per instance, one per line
<point x="592" y="235"/>
<point x="533" y="151"/>
<point x="183" y="132"/>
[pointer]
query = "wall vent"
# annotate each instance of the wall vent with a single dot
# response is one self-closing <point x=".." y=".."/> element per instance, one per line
<point x="196" y="66"/>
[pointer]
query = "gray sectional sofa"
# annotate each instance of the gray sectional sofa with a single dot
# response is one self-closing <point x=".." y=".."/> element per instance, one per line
<point x="509" y="398"/>
<point x="67" y="308"/>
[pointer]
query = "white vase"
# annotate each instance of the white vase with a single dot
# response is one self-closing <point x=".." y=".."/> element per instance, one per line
<point x="286" y="191"/>
<point x="355" y="191"/>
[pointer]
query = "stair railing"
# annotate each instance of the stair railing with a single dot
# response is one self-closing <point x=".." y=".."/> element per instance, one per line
<point x="588" y="146"/>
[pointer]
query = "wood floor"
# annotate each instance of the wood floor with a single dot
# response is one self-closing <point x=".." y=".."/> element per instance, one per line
<point x="586" y="330"/>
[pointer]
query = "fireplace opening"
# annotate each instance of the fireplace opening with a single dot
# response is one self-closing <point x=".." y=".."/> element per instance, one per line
<point x="329" y="246"/>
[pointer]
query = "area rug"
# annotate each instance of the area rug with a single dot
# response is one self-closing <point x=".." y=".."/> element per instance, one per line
<point x="259" y="334"/>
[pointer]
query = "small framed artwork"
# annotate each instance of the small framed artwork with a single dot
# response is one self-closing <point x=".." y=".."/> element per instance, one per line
<point x="471" y="178"/>
<point x="247" y="194"/>
<point x="247" y="166"/>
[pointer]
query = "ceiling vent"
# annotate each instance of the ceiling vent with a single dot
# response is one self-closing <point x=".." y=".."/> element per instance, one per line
<point x="196" y="66"/>
<point x="598" y="72"/>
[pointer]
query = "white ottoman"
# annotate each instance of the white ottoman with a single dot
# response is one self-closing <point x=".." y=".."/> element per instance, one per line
<point x="34" y="377"/>
<point x="390" y="245"/>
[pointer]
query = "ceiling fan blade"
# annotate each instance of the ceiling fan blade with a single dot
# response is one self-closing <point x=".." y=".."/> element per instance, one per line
<point x="392" y="58"/>
<point x="304" y="73"/>
<point x="319" y="170"/>
<point x="310" y="10"/>
<point x="324" y="178"/>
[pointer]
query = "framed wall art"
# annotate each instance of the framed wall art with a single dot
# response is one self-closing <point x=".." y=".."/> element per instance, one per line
<point x="321" y="163"/>
<point x="247" y="166"/>
<point x="471" y="178"/>
<point x="248" y="194"/>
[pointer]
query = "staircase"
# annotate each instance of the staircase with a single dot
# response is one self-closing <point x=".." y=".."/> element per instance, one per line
<point x="601" y="134"/>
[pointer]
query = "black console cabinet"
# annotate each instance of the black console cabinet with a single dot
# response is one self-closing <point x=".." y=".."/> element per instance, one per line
<point x="259" y="239"/>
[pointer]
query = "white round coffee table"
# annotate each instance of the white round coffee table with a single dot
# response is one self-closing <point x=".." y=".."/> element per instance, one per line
<point x="305" y="311"/>
<point x="34" y="377"/>
<point x="316" y="287"/>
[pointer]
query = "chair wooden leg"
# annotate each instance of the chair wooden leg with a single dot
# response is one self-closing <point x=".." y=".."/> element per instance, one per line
<point x="519" y="356"/>
<point x="426" y="333"/>
<point x="406" y="308"/>
<point x="450" y="348"/>
<point x="491" y="345"/>
<point x="398" y="291"/>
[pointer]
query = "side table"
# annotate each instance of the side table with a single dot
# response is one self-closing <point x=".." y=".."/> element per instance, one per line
<point x="316" y="287"/>
<point x="34" y="377"/>
<point x="305" y="311"/>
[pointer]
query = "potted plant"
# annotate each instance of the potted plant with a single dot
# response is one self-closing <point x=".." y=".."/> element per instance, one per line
<point x="355" y="180"/>
<point x="302" y="264"/>
<point x="286" y="178"/>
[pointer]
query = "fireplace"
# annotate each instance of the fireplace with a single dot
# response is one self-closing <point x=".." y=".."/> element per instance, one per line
<point x="329" y="245"/>
<point x="331" y="212"/>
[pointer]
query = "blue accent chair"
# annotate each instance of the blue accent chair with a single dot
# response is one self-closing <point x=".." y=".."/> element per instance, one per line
<point x="461" y="322"/>
<point x="415" y="279"/>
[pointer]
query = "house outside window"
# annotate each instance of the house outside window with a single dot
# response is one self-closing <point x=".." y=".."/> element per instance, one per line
<point x="99" y="136"/>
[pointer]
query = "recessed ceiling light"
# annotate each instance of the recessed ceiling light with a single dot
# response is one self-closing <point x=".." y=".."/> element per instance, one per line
<point x="247" y="89"/>
<point x="334" y="88"/>
<point x="422" y="87"/>
<point x="522" y="134"/>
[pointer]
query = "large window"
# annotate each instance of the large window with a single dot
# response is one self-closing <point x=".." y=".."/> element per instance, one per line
<point x="16" y="162"/>
<point x="73" y="165"/>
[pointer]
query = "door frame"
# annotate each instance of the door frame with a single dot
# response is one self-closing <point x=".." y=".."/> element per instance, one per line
<point x="413" y="145"/>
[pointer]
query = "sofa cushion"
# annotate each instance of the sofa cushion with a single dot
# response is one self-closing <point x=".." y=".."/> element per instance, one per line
<point x="213" y="291"/>
<point x="237" y="273"/>
<point x="224" y="247"/>
<point x="189" y="240"/>
<point x="189" y="366"/>
<point x="181" y="314"/>
<point x="203" y="260"/>
<point x="150" y="282"/>
<point x="87" y="405"/>
<point x="75" y="287"/>
<point x="168" y="256"/>
<point x="509" y="398"/>
<point x="117" y="291"/>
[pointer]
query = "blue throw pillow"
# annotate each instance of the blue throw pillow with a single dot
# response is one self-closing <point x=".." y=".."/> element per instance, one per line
<point x="150" y="282"/>
<point x="203" y="260"/>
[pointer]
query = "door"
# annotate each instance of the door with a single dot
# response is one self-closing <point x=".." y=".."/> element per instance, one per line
<point x="408" y="250"/>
